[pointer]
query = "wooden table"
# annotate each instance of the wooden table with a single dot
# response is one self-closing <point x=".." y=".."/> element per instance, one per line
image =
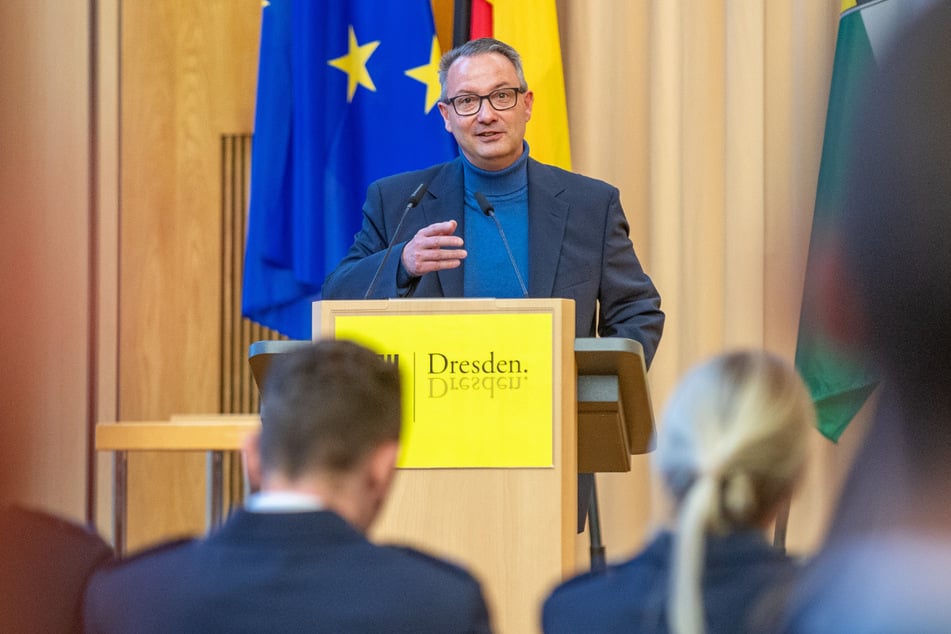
<point x="213" y="434"/>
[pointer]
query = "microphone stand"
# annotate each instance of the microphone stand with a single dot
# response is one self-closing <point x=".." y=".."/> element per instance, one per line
<point x="596" y="549"/>
<point x="489" y="211"/>
<point x="414" y="199"/>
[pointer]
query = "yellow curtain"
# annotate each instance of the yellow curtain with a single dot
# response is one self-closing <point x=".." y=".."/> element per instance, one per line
<point x="709" y="117"/>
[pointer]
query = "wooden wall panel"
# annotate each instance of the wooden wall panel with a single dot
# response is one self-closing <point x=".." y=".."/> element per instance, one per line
<point x="107" y="256"/>
<point x="188" y="75"/>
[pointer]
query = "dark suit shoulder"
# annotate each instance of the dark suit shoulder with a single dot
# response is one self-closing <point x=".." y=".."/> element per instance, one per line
<point x="431" y="561"/>
<point x="139" y="556"/>
<point x="587" y="586"/>
<point x="580" y="580"/>
<point x="462" y="606"/>
<point x="409" y="180"/>
<point x="569" y="180"/>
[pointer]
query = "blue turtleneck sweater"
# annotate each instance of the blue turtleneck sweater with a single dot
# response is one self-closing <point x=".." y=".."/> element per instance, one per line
<point x="488" y="271"/>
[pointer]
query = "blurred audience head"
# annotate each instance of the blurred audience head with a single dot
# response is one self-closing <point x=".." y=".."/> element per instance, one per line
<point x="731" y="449"/>
<point x="45" y="563"/>
<point x="330" y="425"/>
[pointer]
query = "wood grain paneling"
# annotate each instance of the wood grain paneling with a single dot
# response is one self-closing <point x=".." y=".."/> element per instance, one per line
<point x="107" y="197"/>
<point x="188" y="73"/>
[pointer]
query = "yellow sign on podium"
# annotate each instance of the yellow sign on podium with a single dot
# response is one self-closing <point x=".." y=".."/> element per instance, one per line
<point x="477" y="387"/>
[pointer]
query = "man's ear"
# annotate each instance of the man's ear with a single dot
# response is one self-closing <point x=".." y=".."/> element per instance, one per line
<point x="839" y="304"/>
<point x="382" y="465"/>
<point x="251" y="453"/>
<point x="444" y="111"/>
<point x="529" y="99"/>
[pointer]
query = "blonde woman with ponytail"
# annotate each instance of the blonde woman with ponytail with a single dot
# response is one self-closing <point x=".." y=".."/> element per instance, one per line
<point x="731" y="448"/>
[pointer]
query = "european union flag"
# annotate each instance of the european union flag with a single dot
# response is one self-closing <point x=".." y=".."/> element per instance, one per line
<point x="347" y="93"/>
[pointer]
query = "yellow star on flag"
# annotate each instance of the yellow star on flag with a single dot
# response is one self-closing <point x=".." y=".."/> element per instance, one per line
<point x="354" y="63"/>
<point x="429" y="74"/>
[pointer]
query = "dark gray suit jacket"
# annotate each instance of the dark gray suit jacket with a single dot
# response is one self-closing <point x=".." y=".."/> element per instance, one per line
<point x="577" y="239"/>
<point x="284" y="572"/>
<point x="739" y="570"/>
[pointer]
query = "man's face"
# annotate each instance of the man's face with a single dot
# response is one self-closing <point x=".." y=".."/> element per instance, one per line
<point x="490" y="139"/>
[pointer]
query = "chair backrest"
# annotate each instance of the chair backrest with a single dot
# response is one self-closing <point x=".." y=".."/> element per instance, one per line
<point x="45" y="562"/>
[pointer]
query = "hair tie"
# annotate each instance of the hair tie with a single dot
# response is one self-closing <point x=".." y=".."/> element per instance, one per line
<point x="712" y="472"/>
<point x="739" y="498"/>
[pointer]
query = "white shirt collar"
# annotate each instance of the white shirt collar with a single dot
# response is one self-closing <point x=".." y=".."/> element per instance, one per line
<point x="282" y="502"/>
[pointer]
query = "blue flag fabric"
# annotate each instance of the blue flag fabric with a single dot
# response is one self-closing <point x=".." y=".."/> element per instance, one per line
<point x="347" y="93"/>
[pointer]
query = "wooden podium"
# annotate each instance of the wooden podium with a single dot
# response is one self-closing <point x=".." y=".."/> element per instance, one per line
<point x="515" y="525"/>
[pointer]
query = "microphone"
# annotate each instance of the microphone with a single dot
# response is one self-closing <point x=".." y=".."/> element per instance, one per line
<point x="414" y="199"/>
<point x="489" y="211"/>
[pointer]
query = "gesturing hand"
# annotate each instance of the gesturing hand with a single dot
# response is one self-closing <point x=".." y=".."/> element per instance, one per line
<point x="433" y="248"/>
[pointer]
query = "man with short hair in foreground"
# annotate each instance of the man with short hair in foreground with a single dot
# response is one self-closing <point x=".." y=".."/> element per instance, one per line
<point x="296" y="558"/>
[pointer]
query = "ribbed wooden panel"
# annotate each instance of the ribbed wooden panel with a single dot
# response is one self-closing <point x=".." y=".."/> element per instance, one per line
<point x="239" y="394"/>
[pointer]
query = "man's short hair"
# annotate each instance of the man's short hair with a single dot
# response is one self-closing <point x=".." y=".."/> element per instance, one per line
<point x="481" y="46"/>
<point x="326" y="406"/>
<point x="896" y="224"/>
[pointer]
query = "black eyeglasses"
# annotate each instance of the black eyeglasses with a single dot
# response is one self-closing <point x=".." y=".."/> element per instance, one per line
<point x="500" y="98"/>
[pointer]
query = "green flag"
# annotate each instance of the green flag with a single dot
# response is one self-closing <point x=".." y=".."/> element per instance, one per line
<point x="839" y="384"/>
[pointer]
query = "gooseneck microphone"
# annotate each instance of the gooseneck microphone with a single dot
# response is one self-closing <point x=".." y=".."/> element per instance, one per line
<point x="489" y="211"/>
<point x="414" y="199"/>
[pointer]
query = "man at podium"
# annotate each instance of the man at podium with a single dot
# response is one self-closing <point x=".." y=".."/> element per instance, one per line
<point x="296" y="558"/>
<point x="496" y="223"/>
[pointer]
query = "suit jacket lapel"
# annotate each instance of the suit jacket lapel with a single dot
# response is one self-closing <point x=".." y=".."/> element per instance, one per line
<point x="444" y="201"/>
<point x="547" y="217"/>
